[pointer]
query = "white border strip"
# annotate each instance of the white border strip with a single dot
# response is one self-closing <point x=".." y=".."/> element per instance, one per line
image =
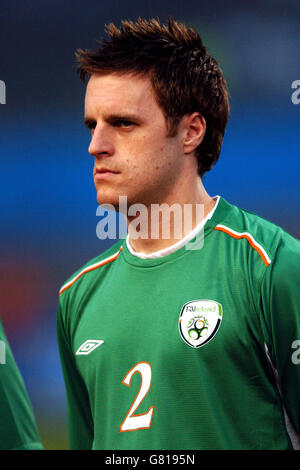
<point x="89" y="268"/>
<point x="251" y="238"/>
<point x="176" y="246"/>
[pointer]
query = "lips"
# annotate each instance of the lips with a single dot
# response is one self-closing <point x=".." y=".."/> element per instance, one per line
<point x="104" y="170"/>
<point x="104" y="173"/>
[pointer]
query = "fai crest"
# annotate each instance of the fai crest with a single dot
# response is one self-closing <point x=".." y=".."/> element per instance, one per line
<point x="199" y="321"/>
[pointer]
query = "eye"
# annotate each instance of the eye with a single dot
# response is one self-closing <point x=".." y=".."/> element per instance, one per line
<point x="123" y="123"/>
<point x="90" y="125"/>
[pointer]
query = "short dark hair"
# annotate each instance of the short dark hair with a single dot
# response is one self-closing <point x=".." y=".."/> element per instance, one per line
<point x="184" y="76"/>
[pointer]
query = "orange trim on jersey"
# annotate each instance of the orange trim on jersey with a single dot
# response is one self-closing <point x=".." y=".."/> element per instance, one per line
<point x="90" y="268"/>
<point x="238" y="235"/>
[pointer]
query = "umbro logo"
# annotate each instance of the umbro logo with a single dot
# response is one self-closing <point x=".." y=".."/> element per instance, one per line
<point x="88" y="346"/>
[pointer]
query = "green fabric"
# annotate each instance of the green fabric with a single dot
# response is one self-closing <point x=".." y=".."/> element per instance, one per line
<point x="220" y="395"/>
<point x="17" y="423"/>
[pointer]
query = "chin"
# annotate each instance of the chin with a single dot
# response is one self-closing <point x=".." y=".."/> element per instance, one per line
<point x="104" y="197"/>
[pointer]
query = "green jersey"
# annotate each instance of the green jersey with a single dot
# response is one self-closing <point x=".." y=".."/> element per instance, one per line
<point x="17" y="424"/>
<point x="198" y="349"/>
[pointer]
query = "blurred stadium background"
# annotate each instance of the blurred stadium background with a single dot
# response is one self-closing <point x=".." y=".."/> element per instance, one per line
<point x="48" y="204"/>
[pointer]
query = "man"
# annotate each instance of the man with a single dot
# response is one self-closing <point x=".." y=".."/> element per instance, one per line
<point x="167" y="343"/>
<point x="18" y="429"/>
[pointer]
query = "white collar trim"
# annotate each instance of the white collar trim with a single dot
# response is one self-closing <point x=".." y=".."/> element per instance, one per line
<point x="176" y="246"/>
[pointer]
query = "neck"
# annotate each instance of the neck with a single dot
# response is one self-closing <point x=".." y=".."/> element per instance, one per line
<point x="159" y="226"/>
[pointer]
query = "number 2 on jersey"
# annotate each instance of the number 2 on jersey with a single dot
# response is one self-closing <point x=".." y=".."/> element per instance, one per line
<point x="134" y="422"/>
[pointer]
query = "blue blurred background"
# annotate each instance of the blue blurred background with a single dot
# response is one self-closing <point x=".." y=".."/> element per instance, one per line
<point x="48" y="203"/>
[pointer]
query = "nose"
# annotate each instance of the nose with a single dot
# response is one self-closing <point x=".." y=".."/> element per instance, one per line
<point x="101" y="143"/>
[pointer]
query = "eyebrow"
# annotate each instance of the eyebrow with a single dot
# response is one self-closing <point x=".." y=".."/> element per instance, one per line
<point x="88" y="122"/>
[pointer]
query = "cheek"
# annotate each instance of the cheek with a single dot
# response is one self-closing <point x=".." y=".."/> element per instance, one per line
<point x="149" y="155"/>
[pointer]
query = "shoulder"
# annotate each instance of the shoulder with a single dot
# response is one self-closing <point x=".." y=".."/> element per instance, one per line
<point x="265" y="238"/>
<point x="93" y="268"/>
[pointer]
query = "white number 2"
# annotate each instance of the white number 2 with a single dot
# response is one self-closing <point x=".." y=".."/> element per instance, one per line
<point x="133" y="422"/>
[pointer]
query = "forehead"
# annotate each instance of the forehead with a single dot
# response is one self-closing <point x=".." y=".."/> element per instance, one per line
<point x="120" y="92"/>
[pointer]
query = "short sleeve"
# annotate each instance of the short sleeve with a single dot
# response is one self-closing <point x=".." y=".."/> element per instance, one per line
<point x="280" y="308"/>
<point x="80" y="422"/>
<point x="18" y="428"/>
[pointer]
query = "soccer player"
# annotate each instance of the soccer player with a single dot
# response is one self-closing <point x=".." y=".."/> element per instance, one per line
<point x="18" y="429"/>
<point x="169" y="342"/>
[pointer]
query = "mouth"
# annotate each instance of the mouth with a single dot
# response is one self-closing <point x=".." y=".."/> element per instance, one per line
<point x="102" y="173"/>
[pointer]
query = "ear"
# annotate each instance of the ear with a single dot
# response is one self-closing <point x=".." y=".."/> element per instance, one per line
<point x="194" y="126"/>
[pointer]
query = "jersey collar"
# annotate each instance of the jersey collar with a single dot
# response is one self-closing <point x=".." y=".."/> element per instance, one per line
<point x="176" y="246"/>
<point x="216" y="216"/>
